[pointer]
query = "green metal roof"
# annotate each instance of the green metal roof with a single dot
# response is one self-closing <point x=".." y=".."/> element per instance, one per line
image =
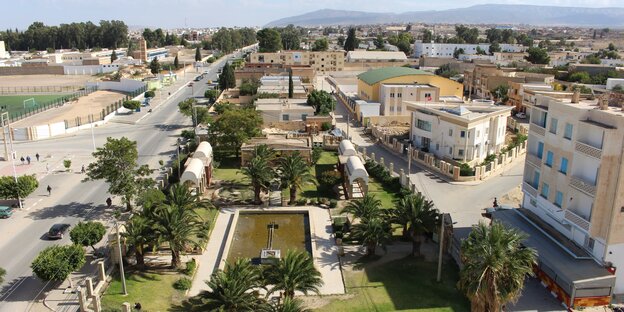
<point x="374" y="76"/>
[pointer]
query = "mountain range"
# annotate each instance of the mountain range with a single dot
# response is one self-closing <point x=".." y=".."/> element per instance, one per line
<point x="505" y="14"/>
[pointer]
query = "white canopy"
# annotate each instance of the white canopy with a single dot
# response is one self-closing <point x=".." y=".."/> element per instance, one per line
<point x="355" y="169"/>
<point x="204" y="152"/>
<point x="194" y="172"/>
<point x="346" y="148"/>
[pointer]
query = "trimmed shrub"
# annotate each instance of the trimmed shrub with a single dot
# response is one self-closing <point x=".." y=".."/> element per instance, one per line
<point x="133" y="105"/>
<point x="150" y="94"/>
<point x="190" y="268"/>
<point x="330" y="178"/>
<point x="183" y="284"/>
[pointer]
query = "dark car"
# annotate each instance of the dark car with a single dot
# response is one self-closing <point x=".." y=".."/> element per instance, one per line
<point x="58" y="230"/>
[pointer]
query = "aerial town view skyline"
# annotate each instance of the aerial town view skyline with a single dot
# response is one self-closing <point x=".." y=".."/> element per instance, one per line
<point x="312" y="156"/>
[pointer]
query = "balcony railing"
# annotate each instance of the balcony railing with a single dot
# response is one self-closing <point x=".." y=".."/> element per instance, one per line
<point x="588" y="150"/>
<point x="583" y="186"/>
<point x="537" y="129"/>
<point x="527" y="187"/>
<point x="578" y="220"/>
<point x="533" y="160"/>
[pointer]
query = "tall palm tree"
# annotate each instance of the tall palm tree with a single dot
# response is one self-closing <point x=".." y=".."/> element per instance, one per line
<point x="365" y="208"/>
<point x="293" y="272"/>
<point x="372" y="232"/>
<point x="260" y="174"/>
<point x="417" y="216"/>
<point x="177" y="226"/>
<point x="139" y="232"/>
<point x="295" y="172"/>
<point x="232" y="289"/>
<point x="495" y="266"/>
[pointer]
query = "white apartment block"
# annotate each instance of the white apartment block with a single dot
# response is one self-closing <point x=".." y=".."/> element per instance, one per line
<point x="392" y="97"/>
<point x="574" y="174"/>
<point x="467" y="132"/>
<point x="447" y="49"/>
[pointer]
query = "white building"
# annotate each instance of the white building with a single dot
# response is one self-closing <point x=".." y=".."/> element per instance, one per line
<point x="393" y="96"/>
<point x="375" y="56"/>
<point x="447" y="49"/>
<point x="466" y="132"/>
<point x="3" y="52"/>
<point x="574" y="175"/>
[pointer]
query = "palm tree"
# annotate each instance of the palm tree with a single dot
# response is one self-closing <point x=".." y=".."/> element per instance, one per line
<point x="372" y="232"/>
<point x="417" y="216"/>
<point x="260" y="174"/>
<point x="138" y="234"/>
<point x="289" y="305"/>
<point x="495" y="266"/>
<point x="293" y="272"/>
<point x="232" y="289"/>
<point x="295" y="172"/>
<point x="366" y="208"/>
<point x="265" y="152"/>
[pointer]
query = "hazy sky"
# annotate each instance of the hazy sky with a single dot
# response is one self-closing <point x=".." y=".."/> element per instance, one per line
<point x="200" y="13"/>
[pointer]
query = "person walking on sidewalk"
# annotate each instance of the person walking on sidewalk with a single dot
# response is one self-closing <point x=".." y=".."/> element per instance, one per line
<point x="49" y="190"/>
<point x="37" y="156"/>
<point x="28" y="159"/>
<point x="22" y="159"/>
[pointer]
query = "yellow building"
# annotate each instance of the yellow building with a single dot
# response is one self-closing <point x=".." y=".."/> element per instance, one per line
<point x="369" y="83"/>
<point x="321" y="61"/>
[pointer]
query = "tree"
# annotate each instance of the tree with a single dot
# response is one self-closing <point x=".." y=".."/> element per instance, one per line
<point x="260" y="174"/>
<point x="87" y="233"/>
<point x="211" y="95"/>
<point x="294" y="272"/>
<point x="379" y="42"/>
<point x="537" y="55"/>
<point x="269" y="40"/>
<point x="290" y="85"/>
<point x="227" y="79"/>
<point x="458" y="52"/>
<point x="131" y="104"/>
<point x="322" y="101"/>
<point x="501" y="93"/>
<point x="138" y="233"/>
<point x="320" y="45"/>
<point x="2" y="274"/>
<point x="154" y="66"/>
<point x="116" y="163"/>
<point x="176" y="62"/>
<point x="113" y="56"/>
<point x="289" y="304"/>
<point x="295" y="173"/>
<point x="467" y="35"/>
<point x="290" y="37"/>
<point x="198" y="56"/>
<point x="233" y="128"/>
<point x="417" y="216"/>
<point x="365" y="208"/>
<point x="427" y="35"/>
<point x="55" y="263"/>
<point x="494" y="47"/>
<point x="352" y="42"/>
<point x="340" y="40"/>
<point x="445" y="71"/>
<point x="495" y="266"/>
<point x="372" y="232"/>
<point x="232" y="289"/>
<point x="25" y="185"/>
<point x="480" y="51"/>
<point x="264" y="152"/>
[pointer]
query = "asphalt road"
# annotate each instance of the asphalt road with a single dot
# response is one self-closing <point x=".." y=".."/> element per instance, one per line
<point x="22" y="236"/>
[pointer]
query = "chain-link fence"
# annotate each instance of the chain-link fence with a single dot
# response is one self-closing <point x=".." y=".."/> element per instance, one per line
<point x="38" y="89"/>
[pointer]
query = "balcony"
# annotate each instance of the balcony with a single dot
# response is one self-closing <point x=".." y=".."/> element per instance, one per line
<point x="577" y="220"/>
<point x="583" y="186"/>
<point x="533" y="160"/>
<point x="527" y="187"/>
<point x="537" y="129"/>
<point x="588" y="150"/>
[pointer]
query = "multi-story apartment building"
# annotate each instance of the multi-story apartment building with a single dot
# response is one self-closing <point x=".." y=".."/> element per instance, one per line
<point x="574" y="176"/>
<point x="392" y="96"/>
<point x="486" y="77"/>
<point x="448" y="49"/>
<point x="321" y="61"/>
<point x="467" y="133"/>
<point x="517" y="90"/>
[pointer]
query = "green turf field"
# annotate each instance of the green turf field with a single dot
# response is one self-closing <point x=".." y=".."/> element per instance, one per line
<point x="15" y="103"/>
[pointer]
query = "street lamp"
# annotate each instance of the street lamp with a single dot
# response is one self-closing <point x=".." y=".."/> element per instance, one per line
<point x="121" y="267"/>
<point x="441" y="241"/>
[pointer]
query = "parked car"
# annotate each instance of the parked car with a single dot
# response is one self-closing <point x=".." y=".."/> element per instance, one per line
<point x="58" y="230"/>
<point x="521" y="115"/>
<point x="5" y="212"/>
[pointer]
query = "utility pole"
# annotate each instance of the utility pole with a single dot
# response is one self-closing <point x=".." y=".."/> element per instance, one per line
<point x="121" y="267"/>
<point x="441" y="241"/>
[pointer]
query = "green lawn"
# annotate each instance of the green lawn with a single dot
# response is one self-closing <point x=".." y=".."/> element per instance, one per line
<point x="407" y="284"/>
<point x="15" y="103"/>
<point x="154" y="290"/>
<point x="229" y="170"/>
<point x="387" y="197"/>
<point x="311" y="191"/>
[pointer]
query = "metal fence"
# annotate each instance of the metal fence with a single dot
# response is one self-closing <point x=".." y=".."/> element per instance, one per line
<point x="38" y="89"/>
<point x="42" y="107"/>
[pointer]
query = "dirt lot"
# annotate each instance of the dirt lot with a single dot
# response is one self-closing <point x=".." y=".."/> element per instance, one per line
<point x="90" y="104"/>
<point x="44" y="80"/>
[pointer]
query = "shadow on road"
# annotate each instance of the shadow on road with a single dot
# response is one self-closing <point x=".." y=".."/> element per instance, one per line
<point x="74" y="209"/>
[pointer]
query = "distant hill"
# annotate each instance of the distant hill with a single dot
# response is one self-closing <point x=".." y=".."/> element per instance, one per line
<point x="478" y="14"/>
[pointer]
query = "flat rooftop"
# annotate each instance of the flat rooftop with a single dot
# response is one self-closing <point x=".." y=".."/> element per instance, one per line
<point x="465" y="111"/>
<point x="283" y="104"/>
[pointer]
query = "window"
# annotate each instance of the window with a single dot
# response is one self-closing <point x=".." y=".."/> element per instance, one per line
<point x="392" y="94"/>
<point x="399" y="95"/>
<point x="462" y="134"/>
<point x="553" y="125"/>
<point x="549" y="158"/>
<point x="558" y="199"/>
<point x="285" y="117"/>
<point x="536" y="178"/>
<point x="460" y="153"/>
<point x="423" y="125"/>
<point x="540" y="149"/>
<point x="568" y="131"/>
<point x="450" y="132"/>
<point x="545" y="190"/>
<point x="451" y="151"/>
<point x="563" y="168"/>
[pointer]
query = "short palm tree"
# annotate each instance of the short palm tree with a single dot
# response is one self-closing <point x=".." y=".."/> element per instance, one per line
<point x="294" y="173"/>
<point x="232" y="289"/>
<point x="372" y="232"/>
<point x="265" y="152"/>
<point x="365" y="208"/>
<point x="260" y="174"/>
<point x="180" y="195"/>
<point x="177" y="226"/>
<point x="294" y="272"/>
<point x="139" y="232"/>
<point x="417" y="216"/>
<point x="495" y="266"/>
<point x="289" y="305"/>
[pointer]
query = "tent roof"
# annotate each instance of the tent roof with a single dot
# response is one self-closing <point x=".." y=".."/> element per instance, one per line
<point x="204" y="152"/>
<point x="355" y="169"/>
<point x="193" y="172"/>
<point x="346" y="148"/>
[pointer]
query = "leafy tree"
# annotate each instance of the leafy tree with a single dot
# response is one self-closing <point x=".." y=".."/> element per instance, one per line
<point x="495" y="266"/>
<point x="231" y="289"/>
<point x="591" y="59"/>
<point x="221" y="107"/>
<point x="537" y="56"/>
<point x="198" y="56"/>
<point x="154" y="66"/>
<point x="580" y="76"/>
<point x="176" y="62"/>
<point x="290" y="85"/>
<point x="458" y="52"/>
<point x="131" y="104"/>
<point x="372" y="232"/>
<point x="500" y="92"/>
<point x="467" y="35"/>
<point x="294" y="272"/>
<point x="611" y="47"/>
<point x="113" y="56"/>
<point x="260" y="174"/>
<point x="494" y="47"/>
<point x="139" y="233"/>
<point x="427" y="35"/>
<point x="116" y="163"/>
<point x="269" y="40"/>
<point x="365" y="208"/>
<point x="87" y="233"/>
<point x="417" y="216"/>
<point x="25" y="185"/>
<point x="351" y="43"/>
<point x="379" y="42"/>
<point x="445" y="71"/>
<point x="290" y="37"/>
<point x="55" y="263"/>
<point x="2" y="274"/>
<point x="322" y="101"/>
<point x="341" y="40"/>
<point x="211" y="95"/>
<point x="480" y="51"/>
<point x="249" y="87"/>
<point x="233" y="128"/>
<point x="295" y="173"/>
<point x="316" y="154"/>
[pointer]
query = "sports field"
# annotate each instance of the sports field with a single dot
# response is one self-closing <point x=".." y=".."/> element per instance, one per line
<point x="15" y="103"/>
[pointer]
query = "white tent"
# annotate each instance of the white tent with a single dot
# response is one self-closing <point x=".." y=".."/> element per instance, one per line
<point x="346" y="148"/>
<point x="204" y="153"/>
<point x="194" y="173"/>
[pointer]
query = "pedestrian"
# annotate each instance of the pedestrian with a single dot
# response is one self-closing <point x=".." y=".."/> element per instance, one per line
<point x="47" y="168"/>
<point x="83" y="169"/>
<point x="37" y="156"/>
<point x="22" y="159"/>
<point x="49" y="190"/>
<point x="28" y="159"/>
<point x="109" y="202"/>
<point x="137" y="306"/>
<point x="495" y="204"/>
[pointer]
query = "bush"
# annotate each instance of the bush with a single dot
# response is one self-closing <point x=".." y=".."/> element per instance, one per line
<point x="183" y="284"/>
<point x="191" y="266"/>
<point x="326" y="126"/>
<point x="132" y="105"/>
<point x="465" y="170"/>
<point x="67" y="163"/>
<point x="339" y="234"/>
<point x="333" y="203"/>
<point x="188" y="134"/>
<point x="316" y="154"/>
<point x="150" y="94"/>
<point x="330" y="178"/>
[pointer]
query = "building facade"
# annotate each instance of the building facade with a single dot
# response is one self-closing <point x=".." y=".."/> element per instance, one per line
<point x="320" y="61"/>
<point x="448" y="49"/>
<point x="393" y="96"/>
